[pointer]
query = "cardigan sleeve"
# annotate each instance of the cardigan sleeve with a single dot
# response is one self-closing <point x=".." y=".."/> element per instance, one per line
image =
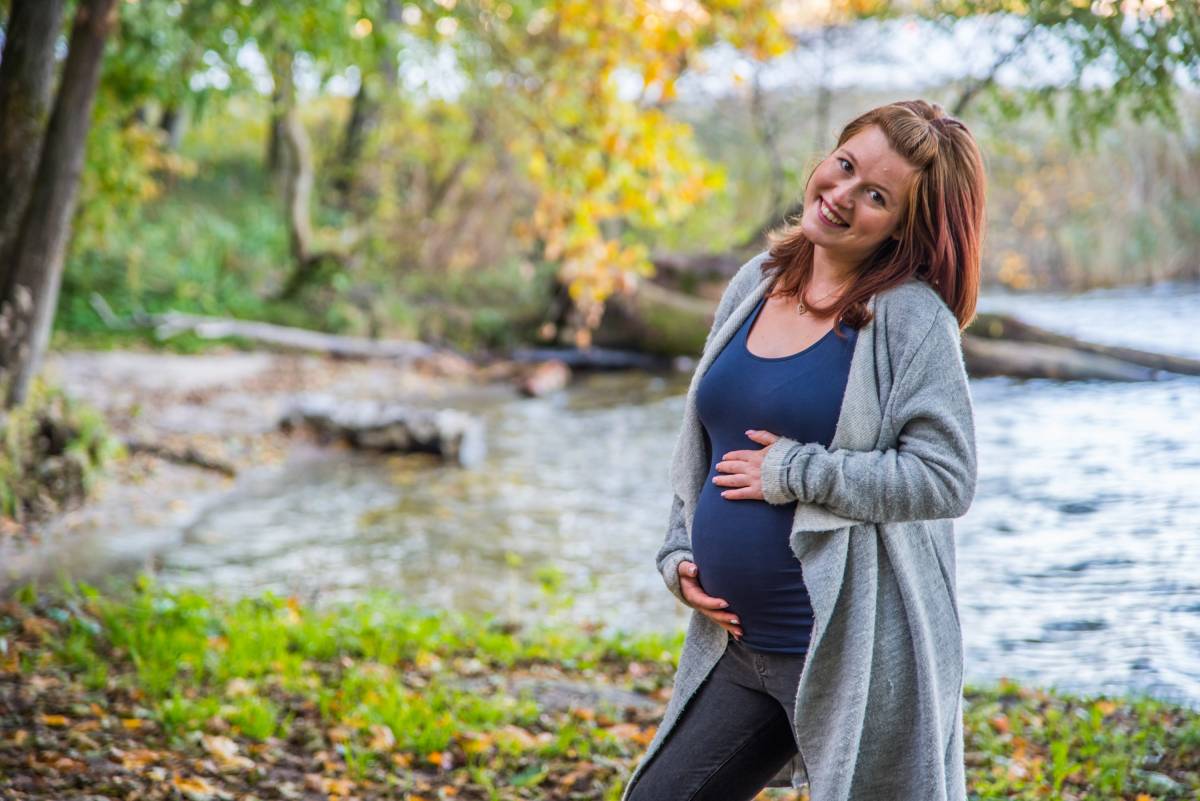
<point x="931" y="472"/>
<point x="676" y="548"/>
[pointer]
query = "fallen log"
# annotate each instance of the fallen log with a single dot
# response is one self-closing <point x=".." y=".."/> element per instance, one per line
<point x="371" y="425"/>
<point x="187" y="456"/>
<point x="285" y="338"/>
<point x="654" y="319"/>
<point x="989" y="357"/>
<point x="1003" y="326"/>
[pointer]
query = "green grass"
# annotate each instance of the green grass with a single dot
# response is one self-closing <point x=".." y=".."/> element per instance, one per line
<point x="216" y="244"/>
<point x="382" y="682"/>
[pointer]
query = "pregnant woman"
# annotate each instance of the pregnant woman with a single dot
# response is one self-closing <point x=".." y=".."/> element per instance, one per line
<point x="827" y="444"/>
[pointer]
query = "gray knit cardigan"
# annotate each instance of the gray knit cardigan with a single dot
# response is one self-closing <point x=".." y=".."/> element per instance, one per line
<point x="878" y="710"/>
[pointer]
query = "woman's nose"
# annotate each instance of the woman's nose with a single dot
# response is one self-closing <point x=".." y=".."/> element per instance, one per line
<point x="839" y="196"/>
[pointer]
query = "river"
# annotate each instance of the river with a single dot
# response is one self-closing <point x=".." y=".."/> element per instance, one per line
<point x="1078" y="562"/>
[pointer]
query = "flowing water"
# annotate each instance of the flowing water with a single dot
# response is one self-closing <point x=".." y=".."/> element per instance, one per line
<point x="1078" y="563"/>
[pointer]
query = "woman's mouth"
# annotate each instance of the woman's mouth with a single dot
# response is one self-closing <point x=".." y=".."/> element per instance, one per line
<point x="828" y="216"/>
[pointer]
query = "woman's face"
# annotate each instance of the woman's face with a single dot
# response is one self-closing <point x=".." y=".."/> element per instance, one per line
<point x="864" y="185"/>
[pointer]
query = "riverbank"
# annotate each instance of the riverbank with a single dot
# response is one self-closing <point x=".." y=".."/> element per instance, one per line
<point x="222" y="405"/>
<point x="150" y="693"/>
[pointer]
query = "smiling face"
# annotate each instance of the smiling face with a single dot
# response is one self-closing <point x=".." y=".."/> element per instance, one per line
<point x="863" y="184"/>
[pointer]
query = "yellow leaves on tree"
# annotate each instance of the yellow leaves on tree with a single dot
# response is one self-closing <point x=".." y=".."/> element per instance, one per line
<point x="605" y="162"/>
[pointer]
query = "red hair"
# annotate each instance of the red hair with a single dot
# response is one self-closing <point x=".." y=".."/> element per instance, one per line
<point x="941" y="230"/>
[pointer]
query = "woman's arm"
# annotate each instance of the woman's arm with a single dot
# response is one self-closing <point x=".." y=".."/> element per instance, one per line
<point x="931" y="472"/>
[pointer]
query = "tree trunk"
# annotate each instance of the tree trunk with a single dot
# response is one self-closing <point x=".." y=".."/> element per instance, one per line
<point x="364" y="118"/>
<point x="297" y="194"/>
<point x="283" y="97"/>
<point x="41" y="244"/>
<point x="366" y="110"/>
<point x="26" y="76"/>
<point x="173" y="123"/>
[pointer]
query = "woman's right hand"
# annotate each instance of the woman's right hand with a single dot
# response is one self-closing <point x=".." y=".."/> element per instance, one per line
<point x="698" y="599"/>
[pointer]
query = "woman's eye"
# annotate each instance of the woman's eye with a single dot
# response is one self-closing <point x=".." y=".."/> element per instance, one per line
<point x="878" y="197"/>
<point x="844" y="162"/>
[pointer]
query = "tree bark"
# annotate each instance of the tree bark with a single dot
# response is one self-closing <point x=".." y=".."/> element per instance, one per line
<point x="41" y="245"/>
<point x="26" y="77"/>
<point x="283" y="97"/>
<point x="365" y="113"/>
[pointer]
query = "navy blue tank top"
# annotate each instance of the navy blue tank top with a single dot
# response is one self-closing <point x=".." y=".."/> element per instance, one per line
<point x="741" y="546"/>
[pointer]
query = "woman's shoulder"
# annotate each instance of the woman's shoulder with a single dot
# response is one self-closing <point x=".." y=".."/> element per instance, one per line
<point x="750" y="273"/>
<point x="909" y="312"/>
<point x="912" y="304"/>
<point x="743" y="283"/>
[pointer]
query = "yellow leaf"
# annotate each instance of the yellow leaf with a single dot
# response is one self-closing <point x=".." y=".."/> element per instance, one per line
<point x="132" y="724"/>
<point x="54" y="720"/>
<point x="193" y="786"/>
<point x="631" y="731"/>
<point x="139" y="758"/>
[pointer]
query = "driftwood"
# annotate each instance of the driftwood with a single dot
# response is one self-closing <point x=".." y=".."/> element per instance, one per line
<point x="285" y="338"/>
<point x="1003" y="326"/>
<point x="187" y="455"/>
<point x="371" y="425"/>
<point x="984" y="357"/>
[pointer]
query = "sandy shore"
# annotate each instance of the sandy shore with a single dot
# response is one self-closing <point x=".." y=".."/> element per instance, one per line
<point x="224" y="404"/>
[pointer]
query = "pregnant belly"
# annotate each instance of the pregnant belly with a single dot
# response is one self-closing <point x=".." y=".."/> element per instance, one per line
<point x="741" y="548"/>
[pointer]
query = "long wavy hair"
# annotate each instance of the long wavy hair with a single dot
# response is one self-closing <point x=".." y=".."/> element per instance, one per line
<point x="941" y="231"/>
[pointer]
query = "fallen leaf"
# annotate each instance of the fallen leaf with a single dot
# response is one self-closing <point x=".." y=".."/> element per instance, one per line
<point x="41" y="683"/>
<point x="139" y="758"/>
<point x="475" y="742"/>
<point x="195" y="788"/>
<point x="634" y="732"/>
<point x="225" y="751"/>
<point x="330" y="786"/>
<point x="54" y="720"/>
<point x="382" y="738"/>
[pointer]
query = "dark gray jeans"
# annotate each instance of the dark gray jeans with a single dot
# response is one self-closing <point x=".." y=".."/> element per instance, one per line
<point x="733" y="736"/>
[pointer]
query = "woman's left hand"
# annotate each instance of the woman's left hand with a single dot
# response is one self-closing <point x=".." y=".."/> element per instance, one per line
<point x="742" y="470"/>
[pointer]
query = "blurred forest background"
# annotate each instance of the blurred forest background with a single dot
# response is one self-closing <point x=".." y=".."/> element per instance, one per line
<point x="444" y="170"/>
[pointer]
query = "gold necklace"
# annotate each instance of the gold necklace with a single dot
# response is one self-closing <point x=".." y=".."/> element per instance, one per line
<point x="803" y="309"/>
